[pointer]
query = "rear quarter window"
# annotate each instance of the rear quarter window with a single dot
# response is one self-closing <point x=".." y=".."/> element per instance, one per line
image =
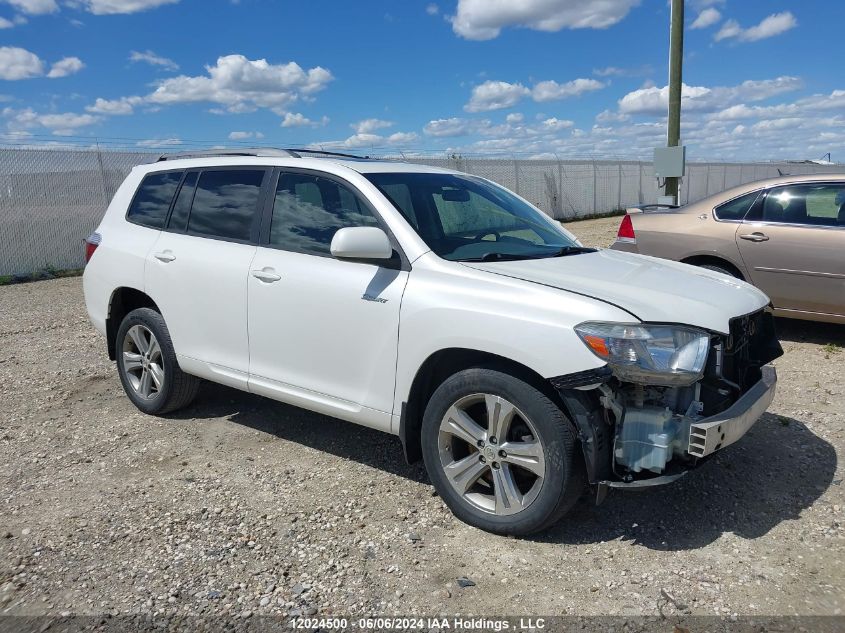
<point x="737" y="208"/>
<point x="152" y="200"/>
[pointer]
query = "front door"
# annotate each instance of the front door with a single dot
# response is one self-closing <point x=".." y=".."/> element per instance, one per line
<point x="323" y="332"/>
<point x="794" y="249"/>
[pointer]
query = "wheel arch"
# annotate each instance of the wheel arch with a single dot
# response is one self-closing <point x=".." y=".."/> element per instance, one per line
<point x="123" y="300"/>
<point x="715" y="260"/>
<point x="437" y="368"/>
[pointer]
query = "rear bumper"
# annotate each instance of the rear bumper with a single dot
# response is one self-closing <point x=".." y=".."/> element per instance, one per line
<point x="718" y="431"/>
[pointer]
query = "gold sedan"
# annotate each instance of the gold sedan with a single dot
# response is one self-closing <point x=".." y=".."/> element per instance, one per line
<point x="784" y="235"/>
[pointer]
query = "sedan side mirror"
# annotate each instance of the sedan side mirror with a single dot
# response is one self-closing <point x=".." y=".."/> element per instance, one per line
<point x="361" y="242"/>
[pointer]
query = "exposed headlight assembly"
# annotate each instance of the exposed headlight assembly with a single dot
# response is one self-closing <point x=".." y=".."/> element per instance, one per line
<point x="670" y="355"/>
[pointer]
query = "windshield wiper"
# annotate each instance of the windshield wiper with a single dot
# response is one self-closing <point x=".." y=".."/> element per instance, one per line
<point x="509" y="257"/>
<point x="572" y="250"/>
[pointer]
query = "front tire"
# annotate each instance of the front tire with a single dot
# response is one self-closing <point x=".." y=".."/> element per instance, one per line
<point x="147" y="366"/>
<point x="500" y="453"/>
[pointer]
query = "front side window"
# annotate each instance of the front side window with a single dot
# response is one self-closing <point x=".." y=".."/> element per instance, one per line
<point x="737" y="208"/>
<point x="810" y="204"/>
<point x="152" y="201"/>
<point x="225" y="203"/>
<point x="463" y="218"/>
<point x="309" y="210"/>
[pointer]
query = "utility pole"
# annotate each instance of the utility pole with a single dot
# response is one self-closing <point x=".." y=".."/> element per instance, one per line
<point x="676" y="62"/>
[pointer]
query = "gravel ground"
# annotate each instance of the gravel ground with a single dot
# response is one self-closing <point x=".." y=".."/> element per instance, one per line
<point x="241" y="506"/>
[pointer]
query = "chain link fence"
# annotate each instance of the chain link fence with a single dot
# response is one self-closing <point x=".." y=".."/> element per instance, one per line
<point x="50" y="200"/>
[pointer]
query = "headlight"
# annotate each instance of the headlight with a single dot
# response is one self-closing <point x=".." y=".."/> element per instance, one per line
<point x="669" y="355"/>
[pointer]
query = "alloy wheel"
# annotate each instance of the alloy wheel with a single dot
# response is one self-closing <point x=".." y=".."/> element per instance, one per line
<point x="142" y="362"/>
<point x="491" y="454"/>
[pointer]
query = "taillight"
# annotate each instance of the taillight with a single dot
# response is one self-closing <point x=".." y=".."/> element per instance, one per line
<point x="626" y="230"/>
<point x="91" y="244"/>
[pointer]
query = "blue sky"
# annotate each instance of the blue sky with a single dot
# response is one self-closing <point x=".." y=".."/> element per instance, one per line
<point x="507" y="77"/>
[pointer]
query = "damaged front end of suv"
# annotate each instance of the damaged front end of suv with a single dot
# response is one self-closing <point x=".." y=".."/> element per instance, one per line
<point x="669" y="396"/>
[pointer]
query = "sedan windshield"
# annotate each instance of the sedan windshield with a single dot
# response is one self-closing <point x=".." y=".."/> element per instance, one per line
<point x="462" y="218"/>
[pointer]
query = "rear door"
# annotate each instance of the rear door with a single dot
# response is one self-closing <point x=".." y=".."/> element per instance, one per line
<point x="323" y="332"/>
<point x="197" y="270"/>
<point x="793" y="246"/>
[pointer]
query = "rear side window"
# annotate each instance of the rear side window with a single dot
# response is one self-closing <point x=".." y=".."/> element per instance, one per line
<point x="225" y="203"/>
<point x="736" y="208"/>
<point x="152" y="200"/>
<point x="308" y="211"/>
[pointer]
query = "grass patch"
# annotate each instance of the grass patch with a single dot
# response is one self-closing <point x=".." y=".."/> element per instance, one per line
<point x="832" y="348"/>
<point x="48" y="272"/>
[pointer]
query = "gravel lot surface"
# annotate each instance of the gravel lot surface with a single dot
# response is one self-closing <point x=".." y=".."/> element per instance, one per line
<point x="243" y="506"/>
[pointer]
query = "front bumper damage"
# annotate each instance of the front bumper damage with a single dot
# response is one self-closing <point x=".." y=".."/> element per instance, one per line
<point x="636" y="436"/>
<point x="723" y="429"/>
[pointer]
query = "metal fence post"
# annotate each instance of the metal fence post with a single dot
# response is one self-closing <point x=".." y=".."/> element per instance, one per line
<point x="595" y="182"/>
<point x="102" y="176"/>
<point x="619" y="191"/>
<point x="516" y="175"/>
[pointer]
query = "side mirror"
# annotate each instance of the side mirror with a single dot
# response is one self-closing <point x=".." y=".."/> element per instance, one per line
<point x="361" y="242"/>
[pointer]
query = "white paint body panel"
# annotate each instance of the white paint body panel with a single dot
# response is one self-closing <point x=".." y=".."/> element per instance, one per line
<point x="202" y="295"/>
<point x="310" y="338"/>
<point x="651" y="289"/>
<point x="311" y="332"/>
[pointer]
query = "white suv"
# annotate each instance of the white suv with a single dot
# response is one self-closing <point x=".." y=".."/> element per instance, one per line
<point x="434" y="305"/>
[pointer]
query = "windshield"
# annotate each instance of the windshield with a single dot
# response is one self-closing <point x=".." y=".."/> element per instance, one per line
<point x="462" y="218"/>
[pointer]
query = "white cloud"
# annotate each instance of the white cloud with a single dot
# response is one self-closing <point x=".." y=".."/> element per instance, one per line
<point x="497" y="95"/>
<point x="156" y="142"/>
<point x="553" y="91"/>
<point x="19" y="63"/>
<point x="655" y="101"/>
<point x="149" y="57"/>
<point x="111" y="7"/>
<point x="515" y="117"/>
<point x="34" y="7"/>
<point x="399" y="138"/>
<point x="122" y="106"/>
<point x="455" y="126"/>
<point x="6" y="24"/>
<point x="368" y="126"/>
<point x="432" y="9"/>
<point x="554" y="124"/>
<point x="295" y="119"/>
<point x="774" y="24"/>
<point x="484" y="19"/>
<point x="63" y="124"/>
<point x="242" y="136"/>
<point x="65" y="67"/>
<point x="708" y="17"/>
<point x="243" y="85"/>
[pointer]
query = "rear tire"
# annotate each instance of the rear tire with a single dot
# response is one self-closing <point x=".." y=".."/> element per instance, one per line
<point x="518" y="483"/>
<point x="147" y="365"/>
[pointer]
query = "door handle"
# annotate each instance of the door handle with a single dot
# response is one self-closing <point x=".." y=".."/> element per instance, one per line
<point x="755" y="237"/>
<point x="165" y="257"/>
<point x="266" y="275"/>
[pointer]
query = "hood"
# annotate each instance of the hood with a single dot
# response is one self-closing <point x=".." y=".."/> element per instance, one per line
<point x="651" y="289"/>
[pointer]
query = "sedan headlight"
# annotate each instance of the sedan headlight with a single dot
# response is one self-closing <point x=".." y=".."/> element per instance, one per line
<point x="670" y="355"/>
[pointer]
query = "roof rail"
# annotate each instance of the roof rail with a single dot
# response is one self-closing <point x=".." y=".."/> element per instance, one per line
<point x="322" y="152"/>
<point x="256" y="151"/>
